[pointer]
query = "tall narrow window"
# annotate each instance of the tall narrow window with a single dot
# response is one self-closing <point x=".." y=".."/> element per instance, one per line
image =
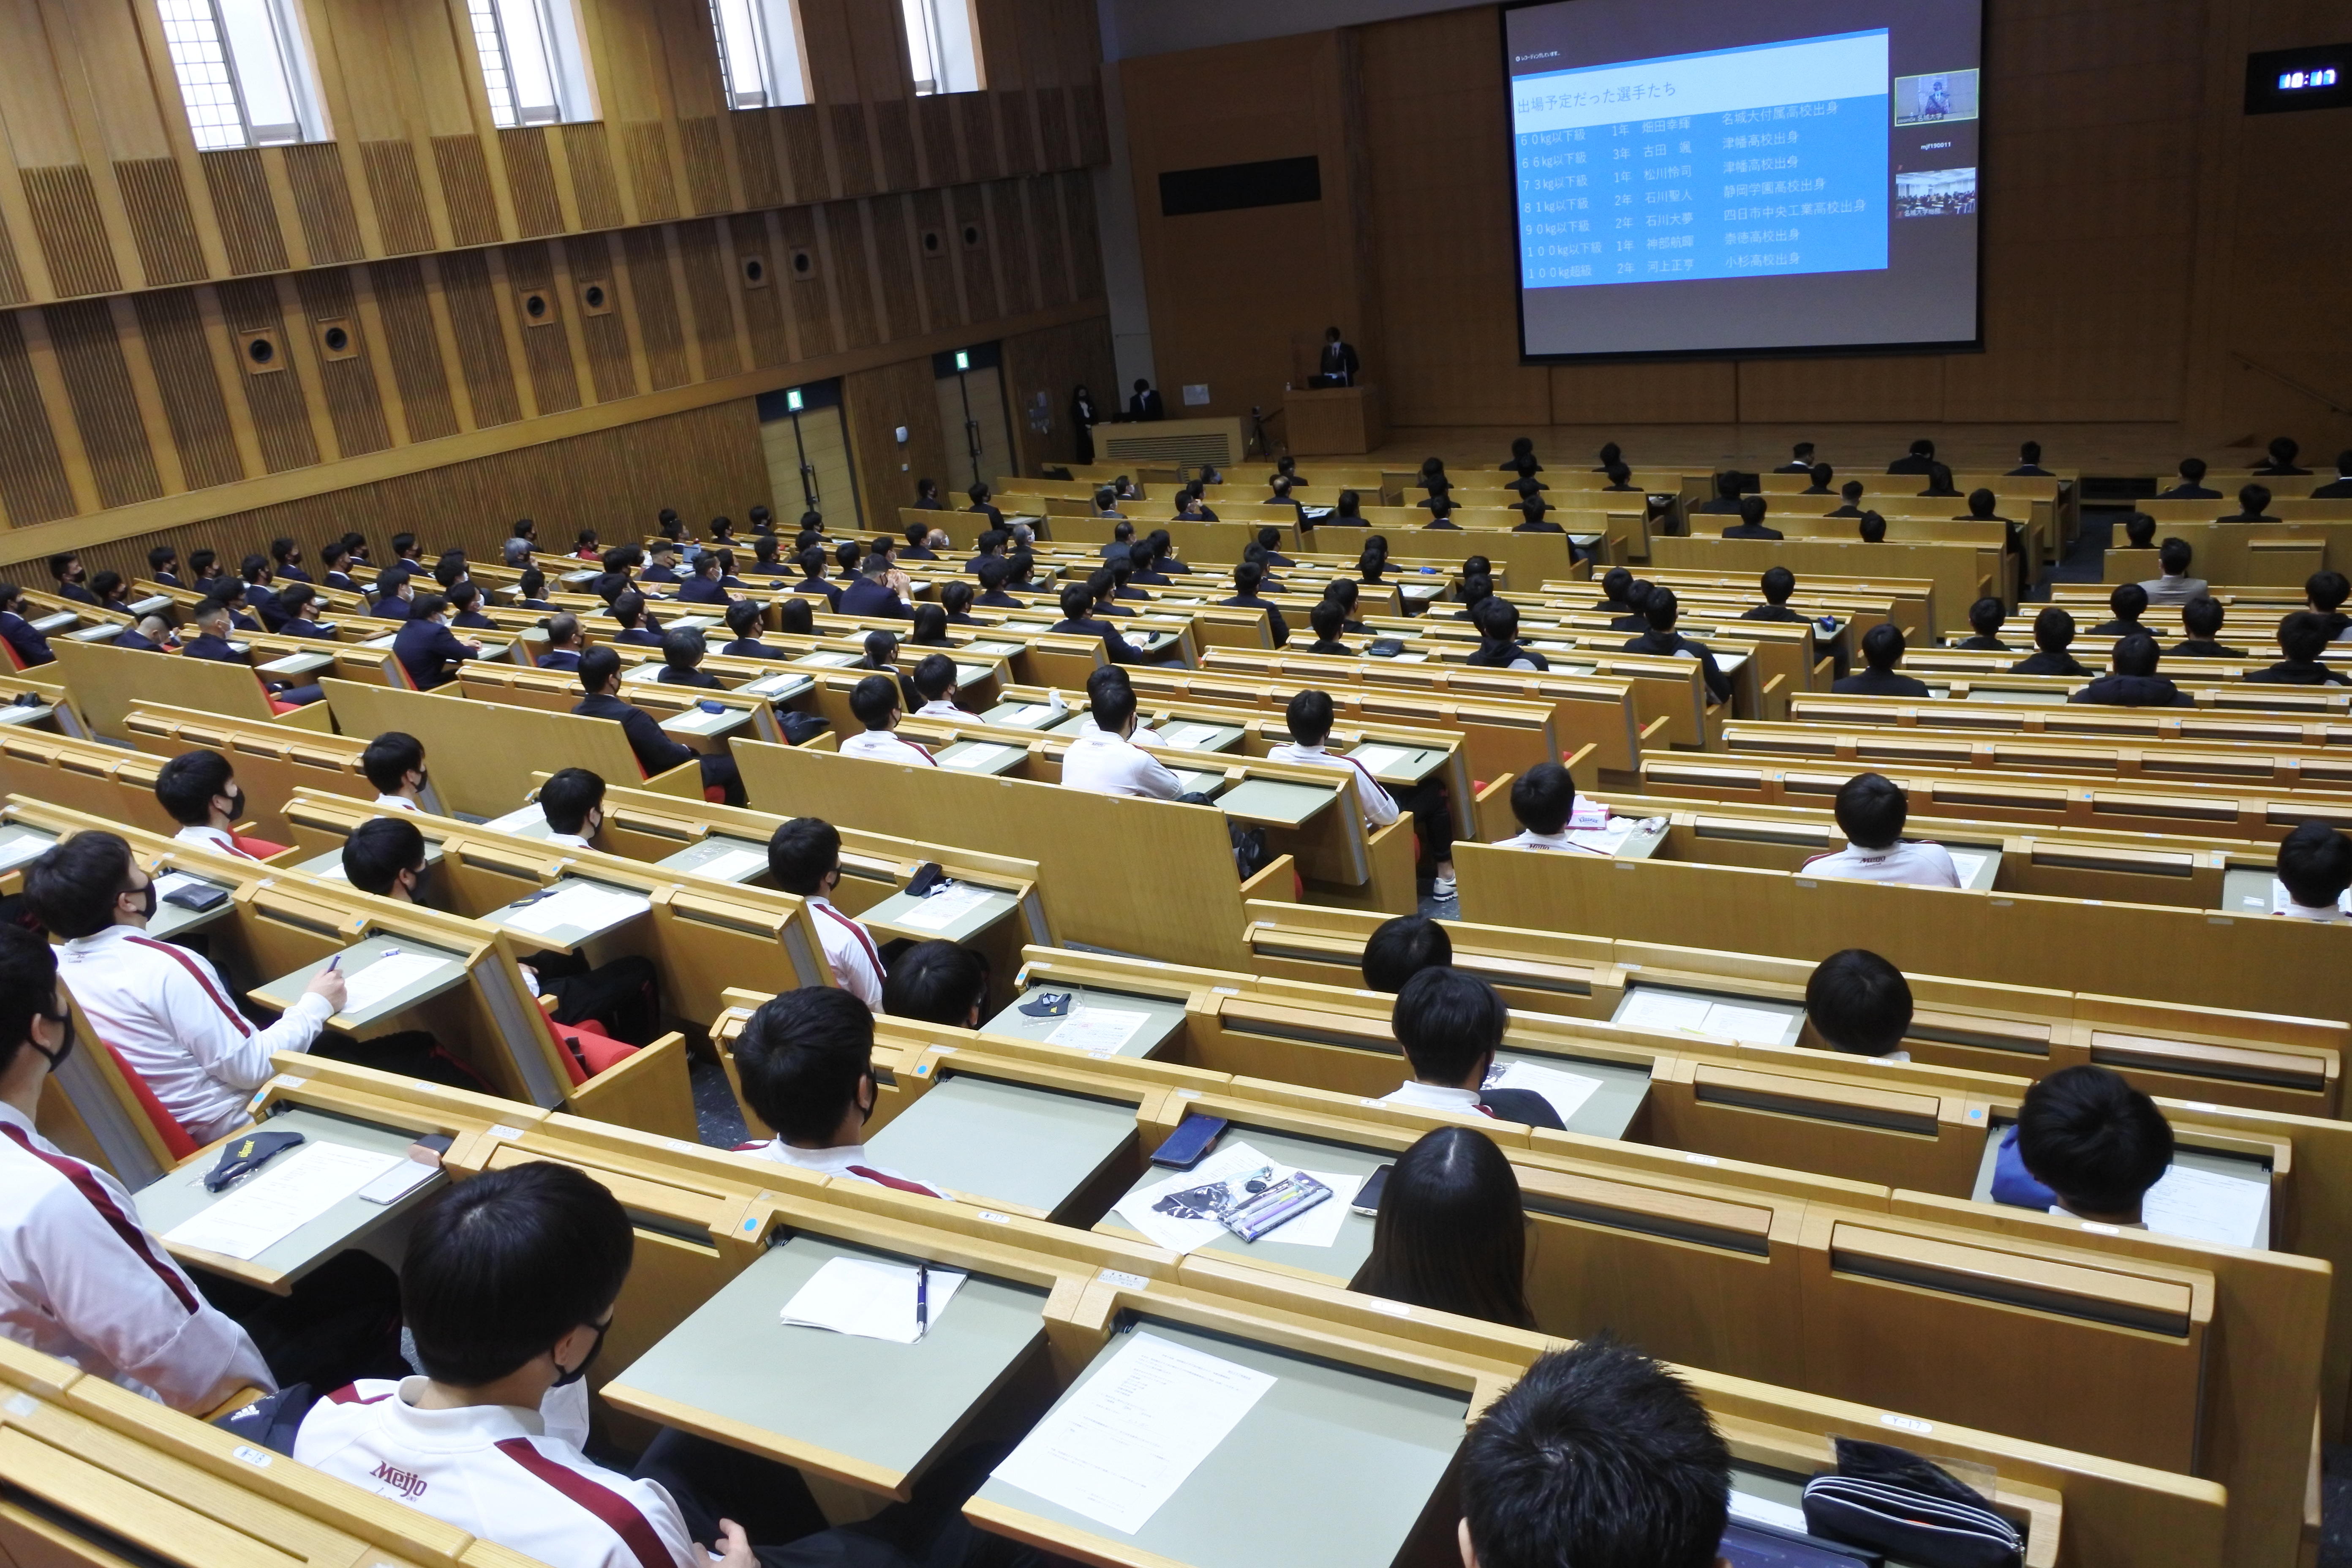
<point x="244" y="71"/>
<point x="941" y="46"/>
<point x="760" y="53"/>
<point x="531" y="62"/>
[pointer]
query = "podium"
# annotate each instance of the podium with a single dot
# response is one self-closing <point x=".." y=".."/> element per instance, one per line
<point x="1334" y="421"/>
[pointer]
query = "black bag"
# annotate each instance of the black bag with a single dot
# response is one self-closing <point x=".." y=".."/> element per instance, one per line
<point x="1892" y="1500"/>
<point x="271" y="1421"/>
<point x="800" y="728"/>
<point x="1250" y="853"/>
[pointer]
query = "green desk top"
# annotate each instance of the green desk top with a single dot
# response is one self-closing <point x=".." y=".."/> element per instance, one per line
<point x="1613" y="1106"/>
<point x="827" y="661"/>
<point x="19" y="844"/>
<point x="704" y="857"/>
<point x="886" y="1404"/>
<point x="328" y="867"/>
<point x="1164" y="1017"/>
<point x="1331" y="1468"/>
<point x="1035" y="1148"/>
<point x="697" y="721"/>
<point x="2246" y="889"/>
<point x="294" y="664"/>
<point x="781" y="687"/>
<point x="1023" y="715"/>
<point x="1276" y="802"/>
<point x="565" y="937"/>
<point x="523" y="822"/>
<point x="1336" y="1263"/>
<point x="171" y="920"/>
<point x="987" y="758"/>
<point x="1198" y="735"/>
<point x="898" y="913"/>
<point x="181" y="1196"/>
<point x="1199" y="783"/>
<point x="1403" y="765"/>
<point x="281" y="992"/>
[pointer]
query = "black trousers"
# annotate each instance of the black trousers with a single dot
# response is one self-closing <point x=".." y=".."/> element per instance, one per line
<point x="624" y="996"/>
<point x="412" y="1053"/>
<point x="341" y="1323"/>
<point x="719" y="768"/>
<point x="1433" y="817"/>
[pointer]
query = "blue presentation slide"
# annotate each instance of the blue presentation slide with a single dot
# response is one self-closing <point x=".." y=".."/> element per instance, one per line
<point x="1751" y="162"/>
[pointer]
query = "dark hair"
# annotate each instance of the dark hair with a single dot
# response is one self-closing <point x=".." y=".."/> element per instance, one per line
<point x="2303" y="636"/>
<point x="1821" y="474"/>
<point x="1618" y="473"/>
<point x="2053" y="628"/>
<point x="389" y="757"/>
<point x="2173" y="555"/>
<point x="1873" y="528"/>
<point x="1597" y="1457"/>
<point x="2327" y="591"/>
<point x="2140" y="530"/>
<point x="71" y="888"/>
<point x="742" y="618"/>
<point x="598" y="666"/>
<point x="1543" y="798"/>
<point x="1987" y="616"/>
<point x="1777" y="583"/>
<point x="501" y="1267"/>
<point x="107" y="584"/>
<point x="802" y="853"/>
<point x="28" y="986"/>
<point x="935" y="677"/>
<point x="1615" y="581"/>
<point x="1077" y="598"/>
<point x="992" y="571"/>
<point x="955" y="597"/>
<point x="1309" y="715"/>
<point x="1497" y="618"/>
<point x="187" y="784"/>
<point x="2128" y="601"/>
<point x="1882" y="645"/>
<point x="1923" y="447"/>
<point x="1111" y="701"/>
<point x="161" y="557"/>
<point x="801" y="1058"/>
<point x="1859" y="1003"/>
<point x="1981" y="501"/>
<point x="2093" y="1139"/>
<point x="1328" y="618"/>
<point x="379" y="850"/>
<point x="936" y="982"/>
<point x="683" y="648"/>
<point x="1660" y="609"/>
<point x="2253" y="499"/>
<point x="1450" y="1234"/>
<point x="1751" y="510"/>
<point x="1401" y="949"/>
<point x="1448" y="1021"/>
<point x="2135" y="653"/>
<point x="873" y="699"/>
<point x="1871" y="811"/>
<point x="628" y="608"/>
<point x="1851" y="490"/>
<point x="2202" y="615"/>
<point x="2283" y="448"/>
<point x="1727" y="486"/>
<point x="2315" y="861"/>
<point x="1247" y="576"/>
<point x="568" y="797"/>
<point x="795" y="615"/>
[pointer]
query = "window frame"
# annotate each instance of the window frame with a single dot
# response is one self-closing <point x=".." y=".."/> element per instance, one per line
<point x="297" y="64"/>
<point x="934" y="37"/>
<point x="769" y="61"/>
<point x="564" y="57"/>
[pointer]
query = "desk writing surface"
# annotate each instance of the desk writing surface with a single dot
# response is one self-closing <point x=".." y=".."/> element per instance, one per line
<point x="180" y="1195"/>
<point x="1642" y="993"/>
<point x="1331" y="1468"/>
<point x="281" y="992"/>
<point x="1336" y="1263"/>
<point x="20" y="844"/>
<point x="1164" y="1017"/>
<point x="1198" y="735"/>
<point x="1035" y="1148"/>
<point x="174" y="920"/>
<point x="719" y="847"/>
<point x="1978" y="865"/>
<point x="781" y="687"/>
<point x="2235" y="1166"/>
<point x="1277" y="803"/>
<point x="1410" y="766"/>
<point x="328" y="867"/>
<point x="28" y="715"/>
<point x="57" y="621"/>
<point x="898" y="911"/>
<point x="565" y="937"/>
<point x="885" y="1405"/>
<point x="1021" y="715"/>
<point x="1613" y="1106"/>
<point x="827" y="660"/>
<point x="105" y="631"/>
<point x="152" y="605"/>
<point x="1198" y="783"/>
<point x="699" y="721"/>
<point x="989" y="758"/>
<point x="295" y="665"/>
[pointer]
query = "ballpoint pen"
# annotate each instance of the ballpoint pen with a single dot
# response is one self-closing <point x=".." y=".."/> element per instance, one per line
<point x="922" y="1300"/>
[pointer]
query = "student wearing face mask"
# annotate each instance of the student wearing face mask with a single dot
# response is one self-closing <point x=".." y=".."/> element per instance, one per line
<point x="806" y="1059"/>
<point x="200" y="791"/>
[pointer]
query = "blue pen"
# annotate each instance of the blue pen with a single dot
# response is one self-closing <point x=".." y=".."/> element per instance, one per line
<point x="922" y="1300"/>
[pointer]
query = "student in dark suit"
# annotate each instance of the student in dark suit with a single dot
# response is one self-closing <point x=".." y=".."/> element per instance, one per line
<point x="743" y="618"/>
<point x="2284" y="449"/>
<point x="1981" y="502"/>
<point x="2029" y="461"/>
<point x="1079" y="620"/>
<point x="1800" y="459"/>
<point x="2341" y="486"/>
<point x="28" y="644"/>
<point x="872" y="594"/>
<point x="1872" y="527"/>
<point x="1727" y="497"/>
<point x="1987" y="616"/>
<point x="393" y="594"/>
<point x="2253" y="505"/>
<point x="1662" y="638"/>
<point x="2192" y="483"/>
<point x="600" y="678"/>
<point x="334" y="563"/>
<point x="2201" y="617"/>
<point x="295" y="600"/>
<point x="1882" y="650"/>
<point x="2326" y="592"/>
<point x="1271" y="538"/>
<point x="2054" y="630"/>
<point x="1637" y="618"/>
<point x="1329" y="618"/>
<point x="812" y="580"/>
<point x="1820" y="475"/>
<point x="1621" y="479"/>
<point x="1751" y="520"/>
<point x="209" y="621"/>
<point x="1441" y="513"/>
<point x="1533" y="510"/>
<point x="1499" y="648"/>
<point x="1610" y="453"/>
<point x="664" y="566"/>
<point x="1922" y="458"/>
<point x="704" y="587"/>
<point x="562" y="643"/>
<point x="1451" y="1024"/>
<point x="2127" y="602"/>
<point x="1852" y="492"/>
<point x="151" y="635"/>
<point x="1614" y="584"/>
<point x="2134" y="682"/>
<point x="70" y="576"/>
<point x="1247" y="578"/>
<point x="955" y="602"/>
<point x="465" y="608"/>
<point x="1777" y="583"/>
<point x="427" y="649"/>
<point x="683" y="649"/>
<point x="638" y="628"/>
<point x="1338" y="361"/>
<point x="285" y="561"/>
<point x="915" y="549"/>
<point x="1939" y="481"/>
<point x="927" y="495"/>
<point x="1144" y="403"/>
<point x="994" y="572"/>
<point x="530" y="590"/>
<point x="979" y="495"/>
<point x="163" y="565"/>
<point x="2303" y="637"/>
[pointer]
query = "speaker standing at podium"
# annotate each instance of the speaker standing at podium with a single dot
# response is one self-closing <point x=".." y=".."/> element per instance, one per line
<point x="1338" y="365"/>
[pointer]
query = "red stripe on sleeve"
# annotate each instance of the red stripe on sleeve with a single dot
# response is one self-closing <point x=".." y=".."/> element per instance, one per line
<point x="195" y="972"/>
<point x="616" y="1512"/>
<point x="895" y="1184"/>
<point x="100" y="1199"/>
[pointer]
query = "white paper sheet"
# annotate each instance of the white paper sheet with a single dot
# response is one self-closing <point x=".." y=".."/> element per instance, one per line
<point x="1186" y="737"/>
<point x="979" y="754"/>
<point x="734" y="865"/>
<point x="1966" y="864"/>
<point x="287" y="1195"/>
<point x="1647" y="1009"/>
<point x="2206" y="1205"/>
<point x="1180" y="1234"/>
<point x="1028" y="716"/>
<point x="24" y="848"/>
<point x="1764" y="1511"/>
<point x="1587" y="815"/>
<point x="518" y="820"/>
<point x="1319" y="1227"/>
<point x="2279" y="899"/>
<point x="582" y="904"/>
<point x="1124" y="1442"/>
<point x="1566" y="1092"/>
<point x="385" y="977"/>
<point x="1376" y="758"/>
<point x="871" y="1299"/>
<point x="943" y="909"/>
<point x="1737" y="1023"/>
<point x="1096" y="1028"/>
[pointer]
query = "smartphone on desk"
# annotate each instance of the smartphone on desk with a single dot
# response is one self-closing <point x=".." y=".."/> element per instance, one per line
<point x="1192" y="1139"/>
<point x="1367" y="1201"/>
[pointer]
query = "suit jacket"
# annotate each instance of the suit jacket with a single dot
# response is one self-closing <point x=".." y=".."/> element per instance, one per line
<point x="2287" y="672"/>
<point x="2336" y="488"/>
<point x="658" y="574"/>
<point x="2042" y="662"/>
<point x="1633" y="621"/>
<point x="1544" y="525"/>
<point x="1274" y="623"/>
<point x="77" y="593"/>
<point x="673" y="676"/>
<point x="172" y="579"/>
<point x="31" y="646"/>
<point x="334" y="579"/>
<point x="425" y="649"/>
<point x="931" y="504"/>
<point x="2133" y="691"/>
<point x="916" y="552"/>
<point x="868" y="598"/>
<point x="639" y="637"/>
<point x="818" y="588"/>
<point x="2115" y="629"/>
<point x="753" y="647"/>
<point x="2185" y="491"/>
<point x="1793" y="467"/>
<point x="1880" y="683"/>
<point x="1843" y="511"/>
<point x="1744" y="531"/>
<point x="561" y="658"/>
<point x="995" y="518"/>
<point x="2205" y="647"/>
<point x="657" y="753"/>
<point x="1145" y="405"/>
<point x="2034" y="469"/>
<point x="1339" y="359"/>
<point x="1718" y="685"/>
<point x="703" y="591"/>
<point x="1524" y="1105"/>
<point x="474" y="621"/>
<point x="1770" y="613"/>
<point x="137" y="643"/>
<point x="206" y="646"/>
<point x="2274" y="469"/>
<point x="1121" y="651"/>
<point x="293" y="574"/>
<point x="1493" y="655"/>
<point x="1910" y="465"/>
<point x="296" y="628"/>
<point x="1985" y="645"/>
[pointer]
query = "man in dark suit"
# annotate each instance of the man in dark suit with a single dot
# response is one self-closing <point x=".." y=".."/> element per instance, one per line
<point x="1800" y="459"/>
<point x="872" y="594"/>
<point x="2284" y="449"/>
<point x="600" y="678"/>
<point x="1751" y="522"/>
<point x="1727" y="497"/>
<point x="1533" y="509"/>
<point x="1661" y="611"/>
<point x="1079" y="619"/>
<point x="1852" y="492"/>
<point x="2342" y="484"/>
<point x="2303" y="637"/>
<point x="1247" y="577"/>
<point x="927" y="495"/>
<point x="71" y="575"/>
<point x="915" y="549"/>
<point x="704" y="587"/>
<point x="2192" y="483"/>
<point x="994" y="572"/>
<point x="147" y="636"/>
<point x="2135" y="683"/>
<point x="334" y="558"/>
<point x="1821" y="474"/>
<point x="979" y="494"/>
<point x="1145" y="402"/>
<point x="2054" y="629"/>
<point x="393" y="594"/>
<point x="211" y="628"/>
<point x="2253" y="504"/>
<point x="1882" y="650"/>
<point x="562" y="643"/>
<point x="163" y="565"/>
<point x="28" y="644"/>
<point x="2029" y="461"/>
<point x="664" y="568"/>
<point x="2202" y="617"/>
<point x="638" y="628"/>
<point x="1922" y="458"/>
<point x="426" y="648"/>
<point x="1338" y="361"/>
<point x="1778" y="584"/>
<point x="295" y="600"/>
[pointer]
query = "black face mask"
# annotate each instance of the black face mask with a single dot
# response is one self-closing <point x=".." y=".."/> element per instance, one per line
<point x="565" y="1378"/>
<point x="149" y="913"/>
<point x="57" y="1059"/>
<point x="236" y="807"/>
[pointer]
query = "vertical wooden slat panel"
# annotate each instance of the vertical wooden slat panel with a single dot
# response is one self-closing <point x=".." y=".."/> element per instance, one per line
<point x="804" y="151"/>
<point x="706" y="163"/>
<point x="105" y="409"/>
<point x="401" y="213"/>
<point x="353" y="403"/>
<point x="656" y="306"/>
<point x="531" y="180"/>
<point x="1085" y="241"/>
<point x="763" y="309"/>
<point x="1017" y="115"/>
<point x="162" y="226"/>
<point x="546" y="350"/>
<point x="937" y="127"/>
<point x="755" y="157"/>
<point x="811" y="302"/>
<point x="172" y="325"/>
<point x="12" y="274"/>
<point x="33" y="487"/>
<point x="706" y="287"/>
<point x="242" y="207"/>
<point x="322" y="201"/>
<point x="967" y="209"/>
<point x="893" y="125"/>
<point x="650" y="179"/>
<point x="975" y="132"/>
<point x="606" y="337"/>
<point x="852" y="273"/>
<point x="595" y="193"/>
<point x="414" y="349"/>
<point x="850" y="151"/>
<point x="1018" y="266"/>
<point x="72" y="234"/>
<point x="473" y="203"/>
<point x="282" y="420"/>
<point x="466" y="289"/>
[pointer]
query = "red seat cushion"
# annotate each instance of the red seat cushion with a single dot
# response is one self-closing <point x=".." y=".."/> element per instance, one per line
<point x="167" y="1126"/>
<point x="260" y="848"/>
<point x="585" y="1050"/>
<point x="714" y="794"/>
<point x="276" y="707"/>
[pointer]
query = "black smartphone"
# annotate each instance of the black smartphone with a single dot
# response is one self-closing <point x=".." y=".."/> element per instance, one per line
<point x="199" y="899"/>
<point x="1367" y="1201"/>
<point x="927" y="876"/>
<point x="1192" y="1138"/>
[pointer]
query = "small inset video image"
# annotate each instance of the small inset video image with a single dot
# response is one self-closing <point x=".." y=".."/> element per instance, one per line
<point x="1936" y="193"/>
<point x="1939" y="96"/>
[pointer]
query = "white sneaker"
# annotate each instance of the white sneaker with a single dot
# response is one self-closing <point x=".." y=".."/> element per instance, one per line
<point x="1442" y="887"/>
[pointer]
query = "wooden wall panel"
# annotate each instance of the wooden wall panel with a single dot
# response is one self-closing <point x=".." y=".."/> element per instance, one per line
<point x="413" y="349"/>
<point x="709" y="295"/>
<point x="241" y="205"/>
<point x="1055" y="363"/>
<point x="898" y="307"/>
<point x="162" y="225"/>
<point x="812" y="295"/>
<point x="706" y="164"/>
<point x="652" y="183"/>
<point x="850" y="270"/>
<point x="605" y="336"/>
<point x="352" y="403"/>
<point x="12" y="273"/>
<point x="105" y="409"/>
<point x="404" y="219"/>
<point x="323" y="202"/>
<point x="589" y="155"/>
<point x="33" y="487"/>
<point x="875" y="403"/>
<point x="546" y="346"/>
<point x="764" y="307"/>
<point x="72" y="233"/>
<point x="473" y="203"/>
<point x="803" y="140"/>
<point x="658" y="327"/>
<point x="474" y="318"/>
<point x="531" y="180"/>
<point x="171" y="324"/>
<point x="281" y="419"/>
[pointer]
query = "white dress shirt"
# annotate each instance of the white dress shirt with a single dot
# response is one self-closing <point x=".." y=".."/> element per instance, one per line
<point x="885" y="747"/>
<point x="166" y="1010"/>
<point x="395" y="802"/>
<point x="1110" y="764"/>
<point x="2327" y="914"/>
<point x="940" y="709"/>
<point x="1434" y="1097"/>
<point x="849" y="949"/>
<point x="1380" y="807"/>
<point x="1904" y="860"/>
<point x="81" y="1280"/>
<point x="848" y="1160"/>
<point x="569" y="840"/>
<point x="212" y="841"/>
<point x="497" y="1472"/>
<point x="1528" y="839"/>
